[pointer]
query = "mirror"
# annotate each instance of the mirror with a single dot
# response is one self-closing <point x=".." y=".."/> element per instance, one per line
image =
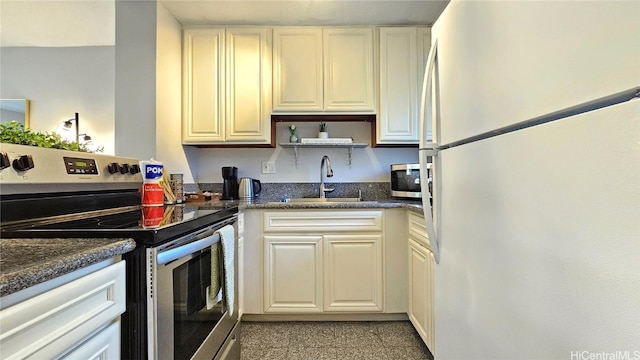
<point x="14" y="109"/>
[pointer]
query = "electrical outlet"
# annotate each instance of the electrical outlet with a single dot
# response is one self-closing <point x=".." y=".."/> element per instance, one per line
<point x="268" y="167"/>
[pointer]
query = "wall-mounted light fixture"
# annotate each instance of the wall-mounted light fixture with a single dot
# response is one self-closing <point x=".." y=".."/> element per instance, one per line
<point x="68" y="124"/>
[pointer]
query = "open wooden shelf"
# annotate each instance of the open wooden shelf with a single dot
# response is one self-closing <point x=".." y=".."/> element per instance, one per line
<point x="349" y="146"/>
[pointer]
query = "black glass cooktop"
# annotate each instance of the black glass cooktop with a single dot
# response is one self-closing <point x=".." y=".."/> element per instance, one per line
<point x="146" y="225"/>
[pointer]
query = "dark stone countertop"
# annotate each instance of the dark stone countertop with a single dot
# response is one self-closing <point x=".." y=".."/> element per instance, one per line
<point x="28" y="262"/>
<point x="376" y="204"/>
<point x="413" y="205"/>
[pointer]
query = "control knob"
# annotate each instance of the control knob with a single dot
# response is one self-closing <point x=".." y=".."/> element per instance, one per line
<point x="134" y="169"/>
<point x="124" y="169"/>
<point x="113" y="168"/>
<point x="23" y="163"/>
<point x="4" y="161"/>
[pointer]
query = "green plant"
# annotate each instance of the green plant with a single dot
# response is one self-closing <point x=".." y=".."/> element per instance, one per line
<point x="292" y="129"/>
<point x="14" y="132"/>
<point x="323" y="127"/>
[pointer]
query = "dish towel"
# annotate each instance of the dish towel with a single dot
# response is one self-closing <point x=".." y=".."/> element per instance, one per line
<point x="228" y="238"/>
<point x="214" y="288"/>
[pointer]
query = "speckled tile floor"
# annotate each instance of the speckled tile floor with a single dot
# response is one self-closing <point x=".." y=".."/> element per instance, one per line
<point x="379" y="340"/>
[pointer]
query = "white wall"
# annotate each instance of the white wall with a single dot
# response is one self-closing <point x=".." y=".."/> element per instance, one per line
<point x="368" y="165"/>
<point x="61" y="81"/>
<point x="169" y="149"/>
<point x="201" y="165"/>
<point x="129" y="100"/>
<point x="135" y="78"/>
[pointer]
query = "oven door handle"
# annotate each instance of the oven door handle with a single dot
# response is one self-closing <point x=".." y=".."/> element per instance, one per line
<point x="168" y="256"/>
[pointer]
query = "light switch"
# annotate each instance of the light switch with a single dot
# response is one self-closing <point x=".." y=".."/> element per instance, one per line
<point x="268" y="167"/>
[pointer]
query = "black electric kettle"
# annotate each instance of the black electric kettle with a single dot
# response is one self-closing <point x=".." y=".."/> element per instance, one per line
<point x="248" y="188"/>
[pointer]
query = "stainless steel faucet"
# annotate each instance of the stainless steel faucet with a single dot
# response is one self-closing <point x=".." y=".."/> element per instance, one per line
<point x="324" y="190"/>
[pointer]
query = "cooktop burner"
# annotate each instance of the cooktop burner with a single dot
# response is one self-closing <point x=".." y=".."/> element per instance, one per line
<point x="146" y="225"/>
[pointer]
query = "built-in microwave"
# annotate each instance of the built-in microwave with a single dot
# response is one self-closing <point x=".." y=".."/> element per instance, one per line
<point x="405" y="181"/>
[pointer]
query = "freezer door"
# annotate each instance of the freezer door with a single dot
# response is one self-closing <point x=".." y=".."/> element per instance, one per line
<point x="499" y="63"/>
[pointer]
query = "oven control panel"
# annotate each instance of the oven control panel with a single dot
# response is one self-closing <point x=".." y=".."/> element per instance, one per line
<point x="30" y="169"/>
<point x="80" y="166"/>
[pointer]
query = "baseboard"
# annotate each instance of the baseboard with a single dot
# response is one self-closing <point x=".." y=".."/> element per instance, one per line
<point x="325" y="317"/>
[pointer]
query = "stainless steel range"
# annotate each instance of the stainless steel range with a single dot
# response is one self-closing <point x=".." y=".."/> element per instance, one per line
<point x="181" y="283"/>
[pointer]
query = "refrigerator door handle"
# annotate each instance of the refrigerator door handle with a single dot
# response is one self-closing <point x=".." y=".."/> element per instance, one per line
<point x="426" y="105"/>
<point x="429" y="149"/>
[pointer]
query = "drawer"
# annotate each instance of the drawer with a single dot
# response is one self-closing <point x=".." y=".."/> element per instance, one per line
<point x="322" y="220"/>
<point x="48" y="325"/>
<point x="418" y="229"/>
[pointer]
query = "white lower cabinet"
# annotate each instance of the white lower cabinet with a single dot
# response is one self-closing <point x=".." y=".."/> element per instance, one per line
<point x="293" y="273"/>
<point x="421" y="266"/>
<point x="323" y="261"/>
<point x="353" y="273"/>
<point x="103" y="345"/>
<point x="79" y="319"/>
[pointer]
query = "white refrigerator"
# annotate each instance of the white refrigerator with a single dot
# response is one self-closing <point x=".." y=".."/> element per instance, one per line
<point x="531" y="116"/>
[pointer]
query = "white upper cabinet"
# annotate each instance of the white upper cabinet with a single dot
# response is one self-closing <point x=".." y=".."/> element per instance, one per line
<point x="226" y="86"/>
<point x="402" y="54"/>
<point x="349" y="82"/>
<point x="297" y="69"/>
<point x="248" y="85"/>
<point x="203" y="89"/>
<point x="424" y="45"/>
<point x="324" y="70"/>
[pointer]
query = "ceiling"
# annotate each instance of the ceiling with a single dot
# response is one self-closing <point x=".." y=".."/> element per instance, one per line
<point x="55" y="23"/>
<point x="306" y="12"/>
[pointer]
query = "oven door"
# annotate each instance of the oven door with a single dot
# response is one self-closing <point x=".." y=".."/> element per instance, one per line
<point x="190" y="312"/>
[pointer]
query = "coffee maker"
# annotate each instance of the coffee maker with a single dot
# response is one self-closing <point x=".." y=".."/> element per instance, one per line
<point x="229" y="183"/>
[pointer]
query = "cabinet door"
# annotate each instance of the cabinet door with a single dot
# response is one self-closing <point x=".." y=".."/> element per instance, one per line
<point x="418" y="229"/>
<point x="424" y="45"/>
<point x="421" y="265"/>
<point x="59" y="320"/>
<point x="203" y="89"/>
<point x="399" y="86"/>
<point x="293" y="274"/>
<point x="353" y="273"/>
<point x="297" y="69"/>
<point x="248" y="95"/>
<point x="349" y="82"/>
<point x="103" y="345"/>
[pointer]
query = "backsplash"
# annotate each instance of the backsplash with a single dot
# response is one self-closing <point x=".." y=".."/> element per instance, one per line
<point x="277" y="191"/>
